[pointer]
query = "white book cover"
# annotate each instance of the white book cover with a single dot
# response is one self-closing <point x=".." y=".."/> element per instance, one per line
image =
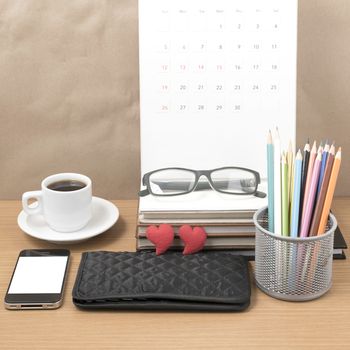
<point x="203" y="201"/>
<point x="164" y="220"/>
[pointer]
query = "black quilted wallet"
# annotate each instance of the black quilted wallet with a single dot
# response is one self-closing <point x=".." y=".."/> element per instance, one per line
<point x="212" y="281"/>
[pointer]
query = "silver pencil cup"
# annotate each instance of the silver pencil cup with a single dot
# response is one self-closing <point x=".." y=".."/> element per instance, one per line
<point x="293" y="269"/>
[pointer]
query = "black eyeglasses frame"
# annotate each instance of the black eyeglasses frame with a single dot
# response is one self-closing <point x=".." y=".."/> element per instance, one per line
<point x="198" y="174"/>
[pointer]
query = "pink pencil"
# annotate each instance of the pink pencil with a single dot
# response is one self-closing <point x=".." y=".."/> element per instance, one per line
<point x="313" y="155"/>
<point x="310" y="200"/>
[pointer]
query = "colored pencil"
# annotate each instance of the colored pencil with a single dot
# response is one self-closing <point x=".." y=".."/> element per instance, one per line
<point x="296" y="195"/>
<point x="306" y="159"/>
<point x="323" y="166"/>
<point x="277" y="184"/>
<point x="291" y="193"/>
<point x="330" y="193"/>
<point x="290" y="169"/>
<point x="270" y="183"/>
<point x="322" y="195"/>
<point x="310" y="199"/>
<point x="313" y="154"/>
<point x="285" y="203"/>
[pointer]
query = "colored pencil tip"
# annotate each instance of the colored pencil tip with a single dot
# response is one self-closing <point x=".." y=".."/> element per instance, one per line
<point x="269" y="137"/>
<point x="338" y="155"/>
<point x="313" y="147"/>
<point x="277" y="135"/>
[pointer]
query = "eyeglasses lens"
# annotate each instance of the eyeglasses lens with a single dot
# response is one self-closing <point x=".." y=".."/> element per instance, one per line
<point x="172" y="181"/>
<point x="233" y="180"/>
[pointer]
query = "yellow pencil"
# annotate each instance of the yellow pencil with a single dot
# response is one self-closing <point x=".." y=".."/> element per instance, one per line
<point x="330" y="193"/>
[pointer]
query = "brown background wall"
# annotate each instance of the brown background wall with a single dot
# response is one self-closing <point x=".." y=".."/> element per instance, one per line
<point x="69" y="90"/>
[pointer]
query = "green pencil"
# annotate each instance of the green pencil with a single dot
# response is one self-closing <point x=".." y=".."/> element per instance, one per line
<point x="285" y="201"/>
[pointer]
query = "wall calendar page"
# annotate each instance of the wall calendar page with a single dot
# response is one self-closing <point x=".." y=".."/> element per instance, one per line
<point x="214" y="77"/>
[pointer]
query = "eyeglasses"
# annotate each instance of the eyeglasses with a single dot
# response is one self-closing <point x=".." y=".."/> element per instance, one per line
<point x="178" y="181"/>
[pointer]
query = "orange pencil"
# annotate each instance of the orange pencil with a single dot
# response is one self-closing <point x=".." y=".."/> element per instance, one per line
<point x="330" y="193"/>
<point x="313" y="155"/>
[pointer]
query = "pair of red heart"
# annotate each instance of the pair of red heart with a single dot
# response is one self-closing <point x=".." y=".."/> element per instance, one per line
<point x="163" y="236"/>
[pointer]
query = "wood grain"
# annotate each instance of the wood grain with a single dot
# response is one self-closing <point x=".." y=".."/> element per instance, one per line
<point x="267" y="324"/>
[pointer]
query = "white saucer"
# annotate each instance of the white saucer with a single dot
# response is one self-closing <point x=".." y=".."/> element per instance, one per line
<point x="104" y="215"/>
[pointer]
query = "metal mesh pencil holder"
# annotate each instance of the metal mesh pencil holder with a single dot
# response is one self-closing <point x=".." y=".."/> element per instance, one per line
<point x="293" y="269"/>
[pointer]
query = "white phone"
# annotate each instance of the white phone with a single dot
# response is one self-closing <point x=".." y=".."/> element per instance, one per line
<point x="38" y="279"/>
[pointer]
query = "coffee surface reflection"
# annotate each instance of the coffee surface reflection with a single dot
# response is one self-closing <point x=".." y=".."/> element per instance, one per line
<point x="66" y="185"/>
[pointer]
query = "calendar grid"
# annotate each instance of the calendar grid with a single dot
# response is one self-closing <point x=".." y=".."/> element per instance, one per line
<point x="216" y="62"/>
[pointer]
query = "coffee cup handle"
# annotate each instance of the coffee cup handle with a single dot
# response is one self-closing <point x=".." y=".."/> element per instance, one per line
<point x="32" y="195"/>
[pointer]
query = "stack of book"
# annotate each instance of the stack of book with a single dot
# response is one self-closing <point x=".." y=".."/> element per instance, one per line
<point x="227" y="220"/>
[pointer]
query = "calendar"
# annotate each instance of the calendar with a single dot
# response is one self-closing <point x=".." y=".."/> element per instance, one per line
<point x="214" y="77"/>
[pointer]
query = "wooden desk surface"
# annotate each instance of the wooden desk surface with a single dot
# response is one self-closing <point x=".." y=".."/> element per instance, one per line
<point x="268" y="323"/>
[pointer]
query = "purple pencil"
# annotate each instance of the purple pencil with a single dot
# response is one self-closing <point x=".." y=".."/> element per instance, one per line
<point x="305" y="224"/>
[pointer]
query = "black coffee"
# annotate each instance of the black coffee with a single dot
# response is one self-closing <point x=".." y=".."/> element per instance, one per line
<point x="66" y="185"/>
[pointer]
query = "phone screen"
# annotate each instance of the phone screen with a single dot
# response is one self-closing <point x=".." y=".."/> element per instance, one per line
<point x="34" y="275"/>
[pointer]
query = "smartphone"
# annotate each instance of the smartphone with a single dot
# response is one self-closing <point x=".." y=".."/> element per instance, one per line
<point x="38" y="279"/>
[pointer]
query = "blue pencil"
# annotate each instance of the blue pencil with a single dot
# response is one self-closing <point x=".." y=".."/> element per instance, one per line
<point x="270" y="184"/>
<point x="323" y="167"/>
<point x="296" y="195"/>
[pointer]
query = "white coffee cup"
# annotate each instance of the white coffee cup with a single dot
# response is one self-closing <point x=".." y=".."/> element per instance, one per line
<point x="63" y="211"/>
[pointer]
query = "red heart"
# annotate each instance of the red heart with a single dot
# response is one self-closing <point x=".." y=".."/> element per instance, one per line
<point x="161" y="237"/>
<point x="194" y="239"/>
